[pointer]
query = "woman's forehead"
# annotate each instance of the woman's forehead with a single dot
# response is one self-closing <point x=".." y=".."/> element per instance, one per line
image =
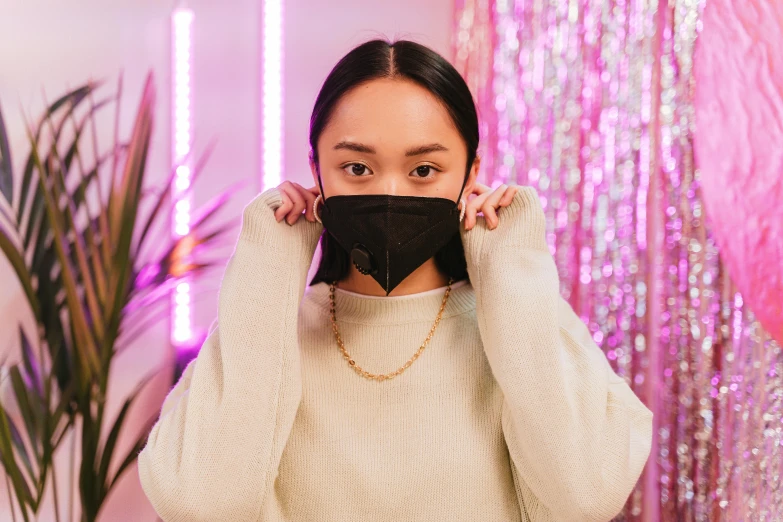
<point x="390" y="113"/>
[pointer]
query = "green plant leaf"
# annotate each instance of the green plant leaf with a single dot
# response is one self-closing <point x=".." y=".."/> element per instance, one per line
<point x="103" y="215"/>
<point x="73" y="98"/>
<point x="53" y="429"/>
<point x="125" y="201"/>
<point x="36" y="226"/>
<point x="133" y="453"/>
<point x="106" y="229"/>
<point x="58" y="432"/>
<point x="13" y="473"/>
<point x="138" y="324"/>
<point x="92" y="234"/>
<point x="26" y="408"/>
<point x="16" y="260"/>
<point x="58" y="183"/>
<point x="6" y="166"/>
<point x="30" y="364"/>
<point x="165" y="196"/>
<point x="27" y="182"/>
<point x="21" y="451"/>
<point x="42" y="248"/>
<point x="81" y="330"/>
<point x="5" y="216"/>
<point x="108" y="447"/>
<point x="211" y="207"/>
<point x="36" y="221"/>
<point x="94" y="238"/>
<point x="83" y="275"/>
<point x="49" y="294"/>
<point x="88" y="485"/>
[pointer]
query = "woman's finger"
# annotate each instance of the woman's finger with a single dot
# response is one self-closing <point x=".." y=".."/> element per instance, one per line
<point x="285" y="205"/>
<point x="477" y="191"/>
<point x="473" y="207"/>
<point x="478" y="201"/>
<point x="309" y="199"/>
<point x="469" y="219"/>
<point x="480" y="188"/>
<point x="296" y="198"/>
<point x="508" y="196"/>
<point x="490" y="204"/>
<point x="299" y="205"/>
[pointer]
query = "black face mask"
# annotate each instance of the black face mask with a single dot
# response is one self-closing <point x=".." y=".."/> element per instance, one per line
<point x="388" y="237"/>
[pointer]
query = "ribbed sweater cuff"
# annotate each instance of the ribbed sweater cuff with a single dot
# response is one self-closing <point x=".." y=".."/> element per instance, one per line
<point x="260" y="227"/>
<point x="521" y="224"/>
<point x="527" y="223"/>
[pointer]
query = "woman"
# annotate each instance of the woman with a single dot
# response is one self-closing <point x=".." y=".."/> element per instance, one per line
<point x="313" y="403"/>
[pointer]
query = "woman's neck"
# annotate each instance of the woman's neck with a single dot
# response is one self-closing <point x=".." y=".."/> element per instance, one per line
<point x="426" y="277"/>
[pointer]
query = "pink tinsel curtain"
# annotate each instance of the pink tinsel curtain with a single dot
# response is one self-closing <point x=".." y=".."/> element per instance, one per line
<point x="591" y="102"/>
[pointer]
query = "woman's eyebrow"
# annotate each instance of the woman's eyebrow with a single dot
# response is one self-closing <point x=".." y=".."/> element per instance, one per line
<point x="424" y="149"/>
<point x="415" y="151"/>
<point x="356" y="147"/>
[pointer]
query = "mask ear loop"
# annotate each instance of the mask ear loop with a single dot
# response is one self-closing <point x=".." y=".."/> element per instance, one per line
<point x="315" y="203"/>
<point x="320" y="185"/>
<point x="460" y="198"/>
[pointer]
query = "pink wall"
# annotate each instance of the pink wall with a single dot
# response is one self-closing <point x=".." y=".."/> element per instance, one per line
<point x="55" y="46"/>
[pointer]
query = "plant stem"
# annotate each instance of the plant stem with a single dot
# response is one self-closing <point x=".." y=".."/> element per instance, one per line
<point x="70" y="478"/>
<point x="54" y="492"/>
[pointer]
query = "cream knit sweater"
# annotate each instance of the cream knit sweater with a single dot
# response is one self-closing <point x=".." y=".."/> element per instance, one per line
<point x="511" y="413"/>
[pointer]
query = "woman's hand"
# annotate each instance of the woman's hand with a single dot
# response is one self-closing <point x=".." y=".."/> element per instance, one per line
<point x="296" y="199"/>
<point x="488" y="201"/>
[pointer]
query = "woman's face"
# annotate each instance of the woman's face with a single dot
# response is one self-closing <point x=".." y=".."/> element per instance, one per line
<point x="392" y="137"/>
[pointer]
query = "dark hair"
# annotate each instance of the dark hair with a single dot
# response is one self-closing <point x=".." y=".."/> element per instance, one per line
<point x="408" y="60"/>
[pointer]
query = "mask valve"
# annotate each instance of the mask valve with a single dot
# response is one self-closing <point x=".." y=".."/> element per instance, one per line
<point x="363" y="260"/>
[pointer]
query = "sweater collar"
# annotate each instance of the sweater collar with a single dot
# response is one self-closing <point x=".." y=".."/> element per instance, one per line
<point x="412" y="308"/>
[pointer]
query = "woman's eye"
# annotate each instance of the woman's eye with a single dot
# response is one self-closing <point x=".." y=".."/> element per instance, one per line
<point x="356" y="169"/>
<point x="424" y="171"/>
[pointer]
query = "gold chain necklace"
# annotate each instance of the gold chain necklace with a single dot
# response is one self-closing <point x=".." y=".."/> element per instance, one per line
<point x="375" y="376"/>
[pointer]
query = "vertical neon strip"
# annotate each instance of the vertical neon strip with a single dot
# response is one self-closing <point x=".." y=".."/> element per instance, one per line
<point x="181" y="139"/>
<point x="272" y="106"/>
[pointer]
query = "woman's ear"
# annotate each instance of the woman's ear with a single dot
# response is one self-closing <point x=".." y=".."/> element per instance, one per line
<point x="472" y="177"/>
<point x="313" y="168"/>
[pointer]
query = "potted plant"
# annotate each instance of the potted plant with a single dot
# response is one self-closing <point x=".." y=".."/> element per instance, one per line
<point x="76" y="232"/>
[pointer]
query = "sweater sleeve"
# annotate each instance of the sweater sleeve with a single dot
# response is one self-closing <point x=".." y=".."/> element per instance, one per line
<point x="214" y="452"/>
<point x="577" y="435"/>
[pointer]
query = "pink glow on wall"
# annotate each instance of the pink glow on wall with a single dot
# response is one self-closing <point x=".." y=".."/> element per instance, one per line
<point x="272" y="93"/>
<point x="181" y="138"/>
